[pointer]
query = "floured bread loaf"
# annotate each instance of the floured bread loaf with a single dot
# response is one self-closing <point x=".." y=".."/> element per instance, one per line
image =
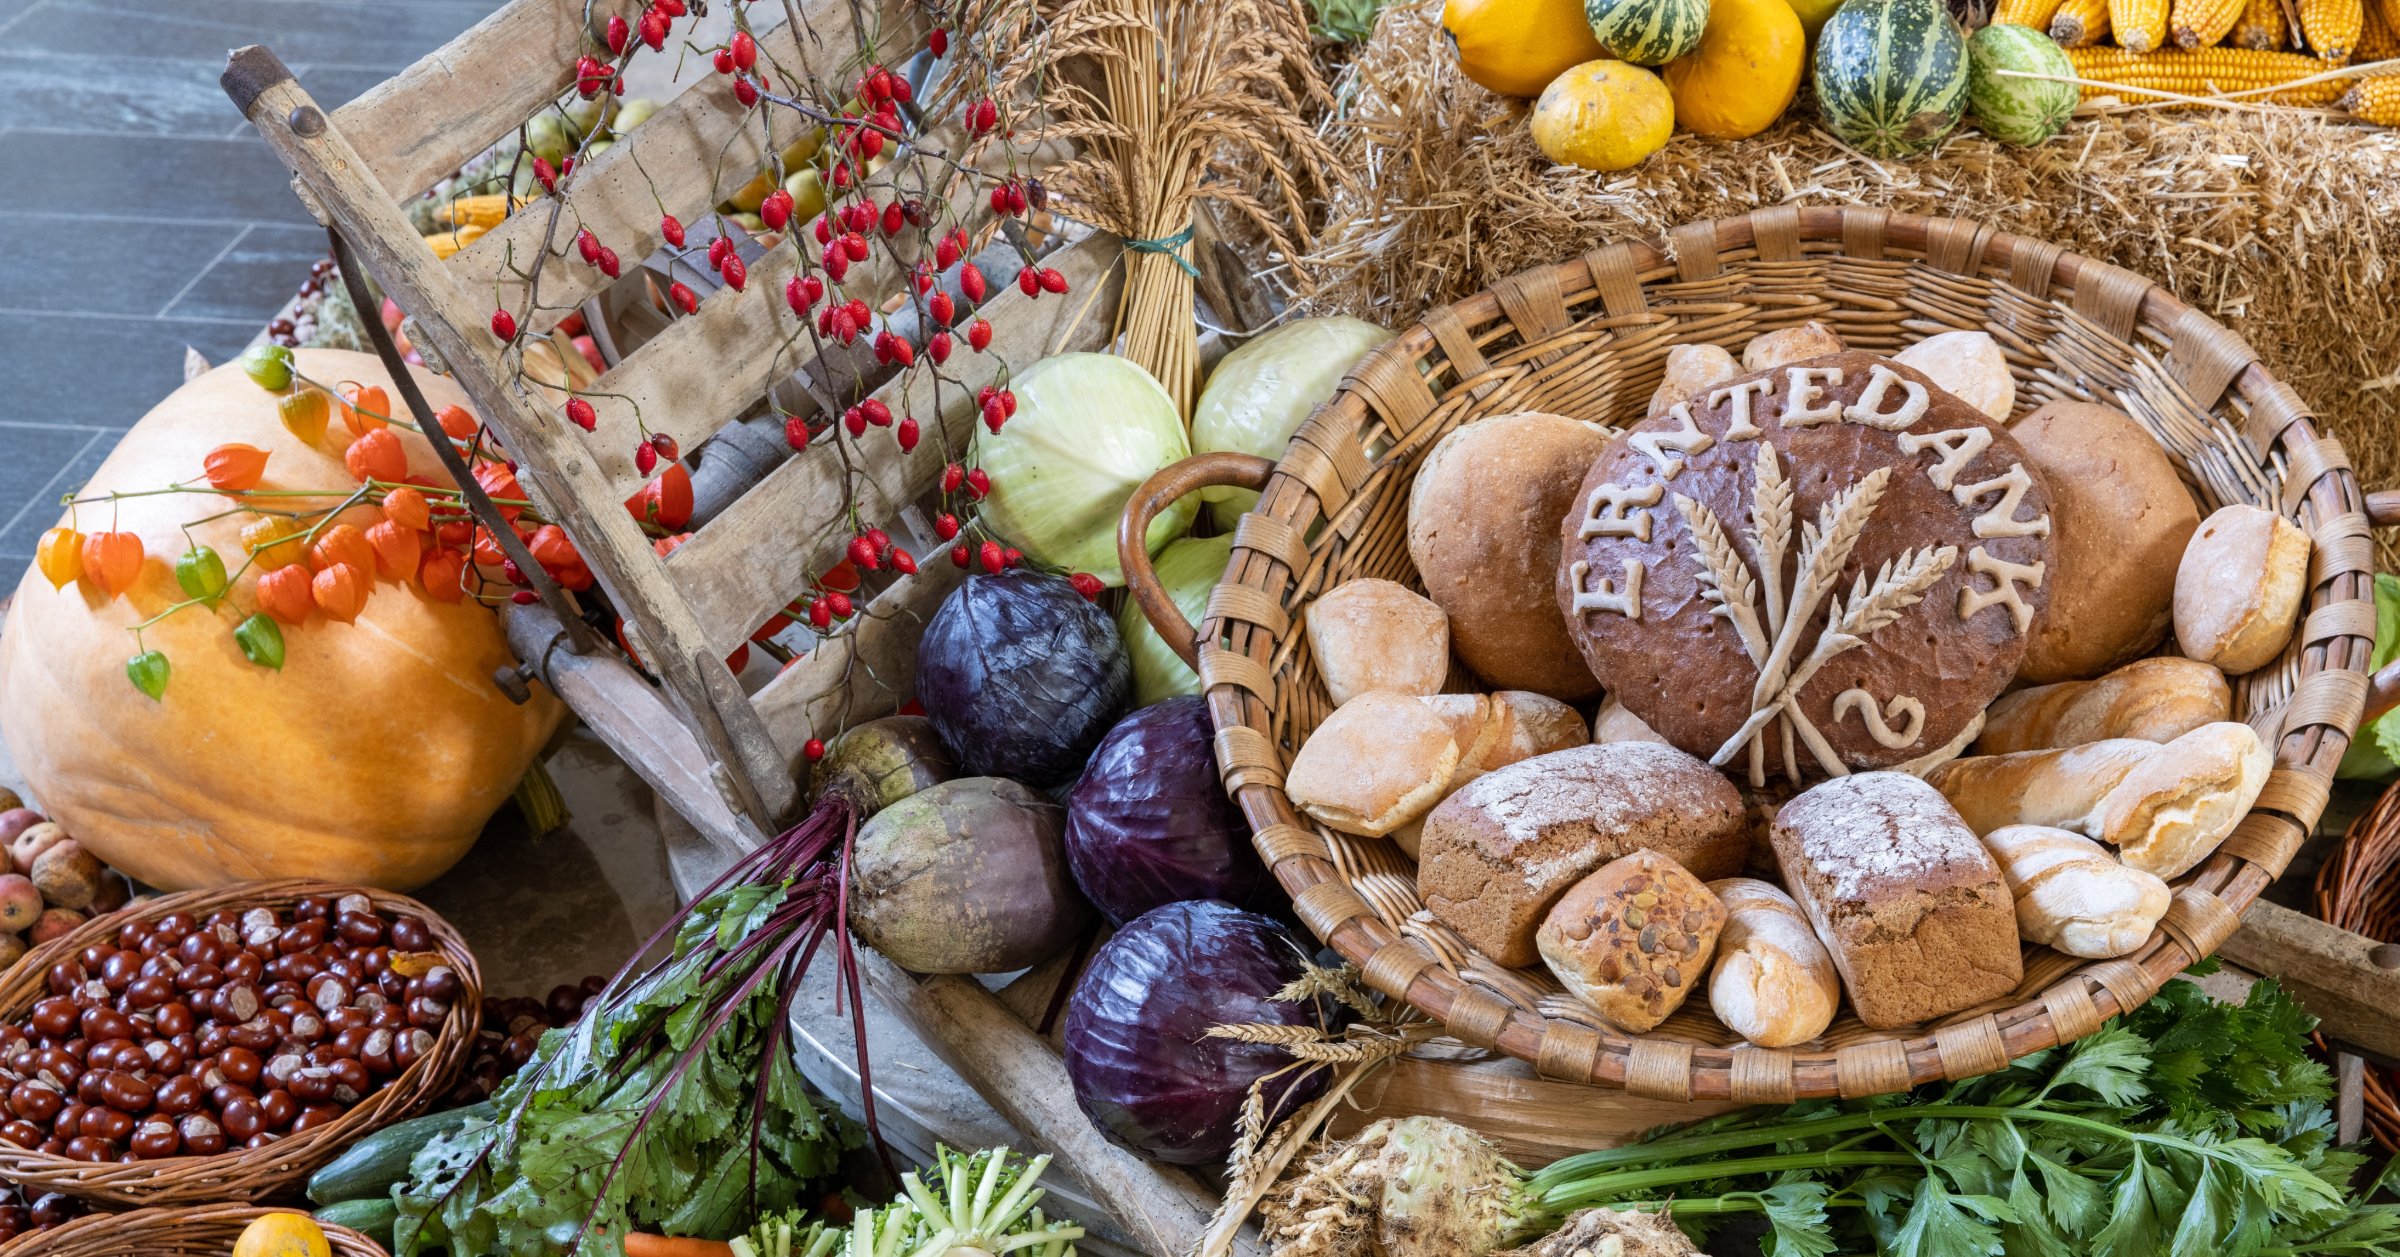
<point x="1774" y="984"/>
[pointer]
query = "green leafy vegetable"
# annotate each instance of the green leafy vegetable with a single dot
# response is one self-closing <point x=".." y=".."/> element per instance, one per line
<point x="962" y="1204"/>
<point x="1349" y="21"/>
<point x="2375" y="754"/>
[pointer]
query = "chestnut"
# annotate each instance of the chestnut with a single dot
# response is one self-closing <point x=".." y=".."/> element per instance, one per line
<point x="255" y="1036"/>
<point x="180" y="1095"/>
<point x="119" y="970"/>
<point x="328" y="992"/>
<point x="314" y="1116"/>
<point x="440" y="983"/>
<point x="427" y="1013"/>
<point x="360" y="929"/>
<point x="149" y="991"/>
<point x="313" y="1085"/>
<point x="376" y="1054"/>
<point x="86" y="1148"/>
<point x="241" y="1065"/>
<point x="243" y="1119"/>
<point x="55" y="1017"/>
<point x="201" y="1134"/>
<point x="410" y="1046"/>
<point x="175" y="1018"/>
<point x="108" y="1124"/>
<point x="279" y="1107"/>
<point x="235" y="1002"/>
<point x="35" y="1101"/>
<point x="22" y="1133"/>
<point x="245" y="968"/>
<point x="303" y="937"/>
<point x="199" y="977"/>
<point x="351" y="1082"/>
<point x="156" y="1138"/>
<point x="127" y="1093"/>
<point x="309" y="907"/>
<point x="411" y="934"/>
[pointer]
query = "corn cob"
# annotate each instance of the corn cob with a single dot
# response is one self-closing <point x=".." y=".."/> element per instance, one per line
<point x="2200" y="23"/>
<point x="2261" y="25"/>
<point x="2080" y="22"/>
<point x="2376" y="39"/>
<point x="2375" y="100"/>
<point x="2389" y="11"/>
<point x="2141" y="25"/>
<point x="2033" y="13"/>
<point x="445" y="243"/>
<point x="2332" y="27"/>
<point x="476" y="211"/>
<point x="2203" y="72"/>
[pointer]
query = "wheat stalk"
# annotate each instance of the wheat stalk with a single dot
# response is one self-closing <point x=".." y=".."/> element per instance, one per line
<point x="1771" y="530"/>
<point x="1724" y="579"/>
<point x="1824" y="547"/>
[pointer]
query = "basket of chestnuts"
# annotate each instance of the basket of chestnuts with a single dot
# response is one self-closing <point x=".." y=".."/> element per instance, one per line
<point x="219" y="1045"/>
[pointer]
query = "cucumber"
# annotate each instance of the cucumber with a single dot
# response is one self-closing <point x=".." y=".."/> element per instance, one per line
<point x="372" y="1218"/>
<point x="374" y="1164"/>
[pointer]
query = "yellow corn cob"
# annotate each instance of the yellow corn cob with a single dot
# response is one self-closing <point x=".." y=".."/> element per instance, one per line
<point x="2141" y="25"/>
<point x="2332" y="27"/>
<point x="2201" y="72"/>
<point x="2079" y="22"/>
<point x="2261" y="25"/>
<point x="2389" y="10"/>
<point x="2200" y="23"/>
<point x="2033" y="13"/>
<point x="476" y="211"/>
<point x="2376" y="40"/>
<point x="445" y="243"/>
<point x="2375" y="100"/>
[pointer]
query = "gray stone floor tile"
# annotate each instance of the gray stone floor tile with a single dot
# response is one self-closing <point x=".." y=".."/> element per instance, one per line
<point x="102" y="372"/>
<point x="350" y="32"/>
<point x="133" y="95"/>
<point x="57" y="263"/>
<point x="54" y="461"/>
<point x="253" y="278"/>
<point x="146" y="176"/>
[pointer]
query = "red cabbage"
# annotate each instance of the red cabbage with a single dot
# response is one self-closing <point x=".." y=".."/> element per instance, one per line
<point x="1021" y="676"/>
<point x="1138" y="1051"/>
<point x="1150" y="822"/>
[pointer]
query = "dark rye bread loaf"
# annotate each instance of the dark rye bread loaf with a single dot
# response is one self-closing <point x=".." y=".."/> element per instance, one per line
<point x="1498" y="853"/>
<point x="1902" y="893"/>
<point x="1932" y="479"/>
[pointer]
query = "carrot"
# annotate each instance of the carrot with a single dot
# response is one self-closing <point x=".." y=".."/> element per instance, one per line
<point x="640" y="1245"/>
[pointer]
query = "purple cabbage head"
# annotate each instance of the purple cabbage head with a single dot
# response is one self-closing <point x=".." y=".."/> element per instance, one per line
<point x="1150" y="823"/>
<point x="1021" y="676"/>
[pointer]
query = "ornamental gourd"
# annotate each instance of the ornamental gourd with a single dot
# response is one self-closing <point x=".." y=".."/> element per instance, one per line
<point x="1647" y="32"/>
<point x="1744" y="73"/>
<point x="373" y="755"/>
<point x="1892" y="75"/>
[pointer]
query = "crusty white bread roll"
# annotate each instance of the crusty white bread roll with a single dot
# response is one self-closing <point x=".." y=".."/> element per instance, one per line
<point x="1615" y="724"/>
<point x="1792" y="344"/>
<point x="1774" y="982"/>
<point x="2057" y="787"/>
<point x="2154" y="700"/>
<point x="1691" y="371"/>
<point x="2238" y="589"/>
<point x="1969" y="366"/>
<point x="1371" y="634"/>
<point x="2073" y="895"/>
<point x="1380" y="761"/>
<point x="1498" y="729"/>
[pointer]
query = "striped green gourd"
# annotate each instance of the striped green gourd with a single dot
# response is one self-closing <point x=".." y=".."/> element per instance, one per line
<point x="2018" y="110"/>
<point x="1891" y="75"/>
<point x="1647" y="32"/>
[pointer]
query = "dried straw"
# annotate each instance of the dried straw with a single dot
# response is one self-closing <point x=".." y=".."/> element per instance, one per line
<point x="2285" y="224"/>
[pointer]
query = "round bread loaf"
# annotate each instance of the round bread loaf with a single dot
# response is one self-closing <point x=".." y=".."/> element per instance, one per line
<point x="1483" y="528"/>
<point x="2123" y="518"/>
<point x="1832" y="564"/>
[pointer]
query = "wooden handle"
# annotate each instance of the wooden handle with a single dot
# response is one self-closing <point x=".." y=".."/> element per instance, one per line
<point x="1170" y="485"/>
<point x="2383" y="509"/>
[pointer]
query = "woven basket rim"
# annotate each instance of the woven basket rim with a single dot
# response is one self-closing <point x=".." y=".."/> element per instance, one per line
<point x="246" y="1174"/>
<point x="145" y="1231"/>
<point x="1327" y="481"/>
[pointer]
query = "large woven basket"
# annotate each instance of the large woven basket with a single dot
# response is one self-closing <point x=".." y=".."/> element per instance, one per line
<point x="1587" y="338"/>
<point x="206" y="1231"/>
<point x="243" y="1174"/>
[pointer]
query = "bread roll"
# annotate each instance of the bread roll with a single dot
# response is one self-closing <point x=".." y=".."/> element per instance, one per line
<point x="1774" y="983"/>
<point x="1615" y="724"/>
<point x="1632" y="939"/>
<point x="1483" y="528"/>
<point x="1498" y="853"/>
<point x="1375" y="635"/>
<point x="2073" y="895"/>
<point x="2121" y="517"/>
<point x="2155" y="700"/>
<point x="1792" y="344"/>
<point x="1970" y="365"/>
<point x="1376" y="764"/>
<point x="1495" y="730"/>
<point x="1691" y="371"/>
<point x="2238" y="589"/>
<point x="1902" y="894"/>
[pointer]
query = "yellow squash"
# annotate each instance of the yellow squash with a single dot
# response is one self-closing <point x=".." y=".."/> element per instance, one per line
<point x="1813" y="14"/>
<point x="282" y="1235"/>
<point x="1745" y="71"/>
<point x="1603" y="115"/>
<point x="1515" y="47"/>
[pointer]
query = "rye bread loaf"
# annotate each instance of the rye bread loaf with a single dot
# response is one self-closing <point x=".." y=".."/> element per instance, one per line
<point x="1497" y="855"/>
<point x="1908" y="900"/>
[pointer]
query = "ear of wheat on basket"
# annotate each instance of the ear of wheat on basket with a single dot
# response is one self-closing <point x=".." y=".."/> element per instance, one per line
<point x="1826" y="543"/>
<point x="1175" y="107"/>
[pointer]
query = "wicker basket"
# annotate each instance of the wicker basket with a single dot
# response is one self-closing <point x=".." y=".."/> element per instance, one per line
<point x="204" y="1231"/>
<point x="247" y="1174"/>
<point x="2357" y="890"/>
<point x="1588" y="338"/>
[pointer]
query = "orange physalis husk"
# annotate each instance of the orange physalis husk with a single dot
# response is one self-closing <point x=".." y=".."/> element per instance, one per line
<point x="341" y="544"/>
<point x="235" y="467"/>
<point x="341" y="591"/>
<point x="271" y="541"/>
<point x="669" y="544"/>
<point x="457" y="422"/>
<point x="574" y="576"/>
<point x="303" y="412"/>
<point x="365" y="407"/>
<point x="407" y="508"/>
<point x="443" y="575"/>
<point x="286" y="594"/>
<point x="112" y="560"/>
<point x="551" y="548"/>
<point x="487" y="549"/>
<point x="397" y="549"/>
<point x="456" y="532"/>
<point x="60" y="556"/>
<point x="376" y="455"/>
<point x="498" y="481"/>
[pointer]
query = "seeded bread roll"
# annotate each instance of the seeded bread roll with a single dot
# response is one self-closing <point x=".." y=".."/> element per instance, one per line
<point x="2073" y="895"/>
<point x="1903" y="895"/>
<point x="2154" y="700"/>
<point x="1632" y="939"/>
<point x="2238" y="590"/>
<point x="1375" y="635"/>
<point x="1774" y="983"/>
<point x="1376" y="764"/>
<point x="1495" y="730"/>
<point x="1498" y="853"/>
<point x="1483" y="518"/>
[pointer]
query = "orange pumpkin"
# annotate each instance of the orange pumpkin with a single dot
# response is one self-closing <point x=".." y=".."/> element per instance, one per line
<point x="375" y="755"/>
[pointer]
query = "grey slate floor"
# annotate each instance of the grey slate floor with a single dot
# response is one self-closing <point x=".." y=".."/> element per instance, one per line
<point x="139" y="214"/>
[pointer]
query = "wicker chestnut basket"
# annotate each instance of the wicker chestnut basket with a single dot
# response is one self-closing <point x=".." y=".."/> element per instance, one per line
<point x="205" y="1231"/>
<point x="1587" y="338"/>
<point x="245" y="1174"/>
<point x="2358" y="890"/>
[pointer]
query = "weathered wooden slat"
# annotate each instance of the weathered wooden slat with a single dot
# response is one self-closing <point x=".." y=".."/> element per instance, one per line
<point x="762" y="551"/>
<point x="426" y="121"/>
<point x="862" y="673"/>
<point x="2334" y="973"/>
<point x="696" y="150"/>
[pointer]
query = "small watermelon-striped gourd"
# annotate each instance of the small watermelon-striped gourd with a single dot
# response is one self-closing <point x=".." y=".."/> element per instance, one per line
<point x="1891" y="75"/>
<point x="2011" y="109"/>
<point x="1647" y="32"/>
